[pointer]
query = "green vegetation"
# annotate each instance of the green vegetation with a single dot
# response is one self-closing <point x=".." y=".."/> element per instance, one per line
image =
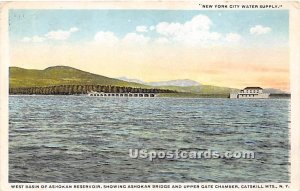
<point x="192" y="95"/>
<point x="82" y="89"/>
<point x="61" y="75"/>
<point x="67" y="80"/>
<point x="280" y="95"/>
<point x="203" y="89"/>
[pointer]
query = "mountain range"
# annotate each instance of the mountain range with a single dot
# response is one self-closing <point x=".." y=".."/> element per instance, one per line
<point x="179" y="82"/>
<point x="65" y="75"/>
<point x="60" y="75"/>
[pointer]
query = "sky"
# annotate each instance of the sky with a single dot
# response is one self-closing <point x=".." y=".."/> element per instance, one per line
<point x="224" y="48"/>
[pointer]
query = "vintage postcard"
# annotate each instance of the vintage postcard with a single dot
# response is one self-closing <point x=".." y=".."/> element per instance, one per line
<point x="152" y="95"/>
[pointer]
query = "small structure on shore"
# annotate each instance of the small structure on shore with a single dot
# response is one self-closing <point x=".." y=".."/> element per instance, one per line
<point x="250" y="93"/>
<point x="102" y="94"/>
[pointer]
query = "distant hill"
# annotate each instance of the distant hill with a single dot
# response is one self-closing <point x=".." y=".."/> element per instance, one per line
<point x="202" y="89"/>
<point x="64" y="75"/>
<point x="60" y="75"/>
<point x="179" y="82"/>
<point x="274" y="91"/>
<point x="185" y="85"/>
<point x="123" y="78"/>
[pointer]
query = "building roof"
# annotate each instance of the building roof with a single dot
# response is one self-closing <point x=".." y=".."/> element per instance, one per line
<point x="247" y="88"/>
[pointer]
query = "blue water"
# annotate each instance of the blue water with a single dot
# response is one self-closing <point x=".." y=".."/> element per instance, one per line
<point x="86" y="139"/>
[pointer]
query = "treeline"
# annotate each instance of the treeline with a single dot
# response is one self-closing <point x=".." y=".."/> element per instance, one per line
<point x="280" y="95"/>
<point x="82" y="89"/>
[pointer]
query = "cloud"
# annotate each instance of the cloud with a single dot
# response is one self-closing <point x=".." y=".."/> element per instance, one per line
<point x="141" y="28"/>
<point x="168" y="29"/>
<point x="198" y="23"/>
<point x="152" y="28"/>
<point x="61" y="34"/>
<point x="106" y="38"/>
<point x="232" y="37"/>
<point x="135" y="39"/>
<point x="259" y="30"/>
<point x="73" y="29"/>
<point x="109" y="39"/>
<point x="26" y="39"/>
<point x="161" y="40"/>
<point x="194" y="31"/>
<point x="38" y="39"/>
<point x="35" y="39"/>
<point x="53" y="35"/>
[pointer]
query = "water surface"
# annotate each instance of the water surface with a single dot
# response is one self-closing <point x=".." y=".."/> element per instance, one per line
<point x="86" y="139"/>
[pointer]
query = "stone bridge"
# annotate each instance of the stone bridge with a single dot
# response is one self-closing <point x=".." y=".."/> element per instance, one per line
<point x="102" y="94"/>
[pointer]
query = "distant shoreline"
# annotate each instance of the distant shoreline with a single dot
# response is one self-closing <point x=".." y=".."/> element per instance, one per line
<point x="168" y="95"/>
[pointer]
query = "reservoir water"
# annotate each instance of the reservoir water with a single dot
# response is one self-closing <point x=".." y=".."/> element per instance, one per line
<point x="86" y="139"/>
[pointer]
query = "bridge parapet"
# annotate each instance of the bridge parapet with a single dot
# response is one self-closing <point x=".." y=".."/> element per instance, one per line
<point x="102" y="94"/>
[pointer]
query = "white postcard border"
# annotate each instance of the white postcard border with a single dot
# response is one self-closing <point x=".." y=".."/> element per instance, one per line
<point x="294" y="35"/>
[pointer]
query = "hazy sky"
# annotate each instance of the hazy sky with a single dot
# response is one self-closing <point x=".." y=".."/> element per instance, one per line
<point x="225" y="48"/>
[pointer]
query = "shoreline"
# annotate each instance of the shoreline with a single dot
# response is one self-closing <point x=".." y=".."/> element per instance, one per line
<point x="162" y="96"/>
